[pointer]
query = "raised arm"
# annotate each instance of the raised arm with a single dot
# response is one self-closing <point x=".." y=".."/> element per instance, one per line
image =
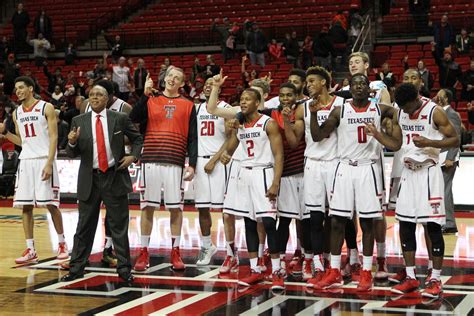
<point x="276" y="144"/>
<point x="294" y="132"/>
<point x="320" y="132"/>
<point x="227" y="113"/>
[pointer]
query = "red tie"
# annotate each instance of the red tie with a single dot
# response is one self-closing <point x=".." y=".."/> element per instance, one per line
<point x="101" y="151"/>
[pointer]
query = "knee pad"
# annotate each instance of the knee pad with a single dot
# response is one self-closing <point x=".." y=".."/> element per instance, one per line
<point x="317" y="221"/>
<point x="408" y="236"/>
<point x="437" y="240"/>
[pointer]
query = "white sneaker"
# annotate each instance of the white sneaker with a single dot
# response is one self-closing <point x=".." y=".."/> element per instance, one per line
<point x="29" y="256"/>
<point x="205" y="255"/>
<point x="63" y="252"/>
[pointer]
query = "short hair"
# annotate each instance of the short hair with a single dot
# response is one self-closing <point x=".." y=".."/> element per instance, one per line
<point x="449" y="95"/>
<point x="298" y="72"/>
<point x="262" y="84"/>
<point x="366" y="79"/>
<point x="288" y="85"/>
<point x="26" y="80"/>
<point x="255" y="92"/>
<point x="362" y="55"/>
<point x="405" y="93"/>
<point x="171" y="67"/>
<point x="107" y="85"/>
<point x="413" y="70"/>
<point x="322" y="72"/>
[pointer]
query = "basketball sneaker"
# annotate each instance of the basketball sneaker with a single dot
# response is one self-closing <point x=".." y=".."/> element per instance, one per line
<point x="230" y="264"/>
<point x="399" y="277"/>
<point x="406" y="286"/>
<point x="355" y="272"/>
<point x="296" y="263"/>
<point x="175" y="258"/>
<point x="381" y="271"/>
<point x="318" y="276"/>
<point x="307" y="269"/>
<point x="433" y="289"/>
<point x="278" y="283"/>
<point x="332" y="279"/>
<point x="62" y="251"/>
<point x="28" y="256"/>
<point x="261" y="264"/>
<point x="254" y="278"/>
<point x="108" y="257"/>
<point x="205" y="255"/>
<point x="428" y="277"/>
<point x="143" y="260"/>
<point x="365" y="281"/>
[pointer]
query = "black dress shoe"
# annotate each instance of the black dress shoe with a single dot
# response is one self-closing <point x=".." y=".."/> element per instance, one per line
<point x="126" y="276"/>
<point x="71" y="277"/>
<point x="449" y="230"/>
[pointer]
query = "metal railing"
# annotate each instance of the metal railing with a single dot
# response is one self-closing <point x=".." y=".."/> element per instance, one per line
<point x="365" y="32"/>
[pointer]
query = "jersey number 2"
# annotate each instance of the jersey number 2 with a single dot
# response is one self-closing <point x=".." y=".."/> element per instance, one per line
<point x="207" y="128"/>
<point x="250" y="145"/>
<point x="361" y="135"/>
<point x="29" y="130"/>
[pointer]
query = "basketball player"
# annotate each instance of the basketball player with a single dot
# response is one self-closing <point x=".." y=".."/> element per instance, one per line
<point x="355" y="185"/>
<point x="297" y="77"/>
<point x="210" y="177"/>
<point x="258" y="182"/>
<point x="426" y="129"/>
<point x="170" y="121"/>
<point x="37" y="180"/>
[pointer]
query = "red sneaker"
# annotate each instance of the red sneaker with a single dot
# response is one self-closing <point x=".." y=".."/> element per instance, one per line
<point x="318" y="276"/>
<point x="365" y="282"/>
<point x="433" y="289"/>
<point x="408" y="285"/>
<point x="267" y="260"/>
<point x="307" y="269"/>
<point x="381" y="272"/>
<point x="230" y="264"/>
<point x="143" y="260"/>
<point x="326" y="264"/>
<point x="296" y="263"/>
<point x="253" y="278"/>
<point x="278" y="283"/>
<point x="332" y="279"/>
<point x="428" y="277"/>
<point x="346" y="268"/>
<point x="355" y="272"/>
<point x="261" y="264"/>
<point x="399" y="277"/>
<point x="28" y="256"/>
<point x="62" y="251"/>
<point x="176" y="262"/>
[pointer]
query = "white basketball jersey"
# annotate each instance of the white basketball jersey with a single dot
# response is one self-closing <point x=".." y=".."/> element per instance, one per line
<point x="419" y="124"/>
<point x="33" y="128"/>
<point x="117" y="106"/>
<point x="327" y="148"/>
<point x="210" y="129"/>
<point x="353" y="142"/>
<point x="378" y="86"/>
<point x="256" y="144"/>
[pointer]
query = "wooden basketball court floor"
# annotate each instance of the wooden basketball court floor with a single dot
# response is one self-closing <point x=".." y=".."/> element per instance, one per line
<point x="35" y="290"/>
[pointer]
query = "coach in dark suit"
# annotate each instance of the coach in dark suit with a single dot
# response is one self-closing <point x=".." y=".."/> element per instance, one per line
<point x="98" y="137"/>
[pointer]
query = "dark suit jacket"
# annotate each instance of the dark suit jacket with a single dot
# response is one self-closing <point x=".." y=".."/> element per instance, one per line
<point x="119" y="125"/>
<point x="455" y="119"/>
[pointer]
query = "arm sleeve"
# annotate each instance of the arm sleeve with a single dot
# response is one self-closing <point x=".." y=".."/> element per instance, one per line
<point x="139" y="112"/>
<point x="192" y="139"/>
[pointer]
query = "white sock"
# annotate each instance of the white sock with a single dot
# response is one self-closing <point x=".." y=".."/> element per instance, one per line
<point x="381" y="250"/>
<point x="275" y="264"/>
<point x="108" y="242"/>
<point x="367" y="263"/>
<point x="145" y="240"/>
<point x="206" y="241"/>
<point x="298" y="244"/>
<point x="261" y="248"/>
<point x="430" y="264"/>
<point x="177" y="241"/>
<point x="282" y="256"/>
<point x="61" y="238"/>
<point x="253" y="264"/>
<point x="30" y="243"/>
<point x="436" y="274"/>
<point x="308" y="255"/>
<point x="354" y="256"/>
<point x="229" y="248"/>
<point x="317" y="263"/>
<point x="410" y="272"/>
<point x="336" y="261"/>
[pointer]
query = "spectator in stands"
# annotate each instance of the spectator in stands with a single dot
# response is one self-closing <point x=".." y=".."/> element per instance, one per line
<point x="5" y="101"/>
<point x="20" y="21"/>
<point x="42" y="24"/>
<point x="63" y="131"/>
<point x="211" y="69"/>
<point x="116" y="48"/>
<point x="195" y="90"/>
<point x="449" y="71"/>
<point x="340" y="18"/>
<point x="68" y="112"/>
<point x="197" y="70"/>
<point x="323" y="49"/>
<point x="234" y="99"/>
<point x="344" y="84"/>
<point x="55" y="79"/>
<point x="386" y="75"/>
<point x="275" y="49"/>
<point x="224" y="31"/>
<point x="444" y="36"/>
<point x="256" y="45"/>
<point x="121" y="75"/>
<point x="247" y="76"/>
<point x="56" y="96"/>
<point x="4" y="49"/>
<point x="11" y="71"/>
<point x="467" y="93"/>
<point x="307" y="52"/>
<point x="41" y="46"/>
<point x="100" y="69"/>
<point x="464" y="42"/>
<point x="470" y="113"/>
<point x="419" y="10"/>
<point x="139" y="77"/>
<point x="338" y="36"/>
<point x="163" y="68"/>
<point x="356" y="23"/>
<point x="70" y="54"/>
<point x="425" y="75"/>
<point x="291" y="47"/>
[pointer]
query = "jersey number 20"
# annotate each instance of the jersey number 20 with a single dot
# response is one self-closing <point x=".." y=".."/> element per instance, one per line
<point x="207" y="128"/>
